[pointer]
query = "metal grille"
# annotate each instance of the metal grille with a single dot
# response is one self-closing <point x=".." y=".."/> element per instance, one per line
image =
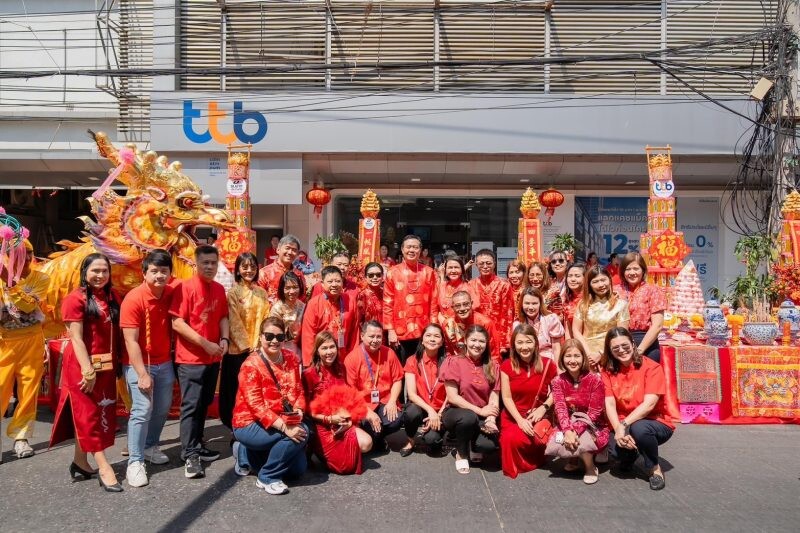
<point x="135" y="51"/>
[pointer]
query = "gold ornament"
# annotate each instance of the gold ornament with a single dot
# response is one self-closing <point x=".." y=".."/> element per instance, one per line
<point x="791" y="206"/>
<point x="370" y="206"/>
<point x="530" y="207"/>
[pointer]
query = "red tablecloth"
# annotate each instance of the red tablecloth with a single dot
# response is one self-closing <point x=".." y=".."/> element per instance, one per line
<point x="757" y="383"/>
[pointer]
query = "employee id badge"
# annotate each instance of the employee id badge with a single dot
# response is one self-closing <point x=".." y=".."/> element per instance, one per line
<point x="341" y="339"/>
<point x="374" y="396"/>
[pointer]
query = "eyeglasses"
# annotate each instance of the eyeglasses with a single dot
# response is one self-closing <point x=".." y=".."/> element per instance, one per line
<point x="557" y="261"/>
<point x="485" y="263"/>
<point x="466" y="305"/>
<point x="374" y="274"/>
<point x="269" y="337"/>
<point x="623" y="348"/>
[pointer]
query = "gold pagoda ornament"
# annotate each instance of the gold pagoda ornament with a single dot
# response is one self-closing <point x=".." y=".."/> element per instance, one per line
<point x="529" y="238"/>
<point x="369" y="228"/>
<point x="370" y="205"/>
<point x="530" y="206"/>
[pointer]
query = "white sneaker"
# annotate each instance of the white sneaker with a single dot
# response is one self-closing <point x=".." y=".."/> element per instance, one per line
<point x="237" y="468"/>
<point x="275" y="488"/>
<point x="155" y="455"/>
<point x="136" y="474"/>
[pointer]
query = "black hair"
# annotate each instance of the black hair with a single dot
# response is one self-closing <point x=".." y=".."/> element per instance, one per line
<point x="241" y="258"/>
<point x="159" y="258"/>
<point x="205" y="249"/>
<point x="330" y="269"/>
<point x="486" y="356"/>
<point x="486" y="251"/>
<point x="412" y="236"/>
<point x="92" y="309"/>
<point x="290" y="276"/>
<point x="372" y="324"/>
<point x="421" y="349"/>
<point x="372" y="264"/>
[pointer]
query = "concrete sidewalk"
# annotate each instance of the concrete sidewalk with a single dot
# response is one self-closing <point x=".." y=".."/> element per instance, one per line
<point x="719" y="478"/>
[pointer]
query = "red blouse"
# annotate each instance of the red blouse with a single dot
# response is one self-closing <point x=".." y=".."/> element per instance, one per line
<point x="430" y="387"/>
<point x="524" y="385"/>
<point x="96" y="331"/>
<point x="644" y="301"/>
<point x="315" y="383"/>
<point x="497" y="303"/>
<point x="470" y="379"/>
<point x="588" y="397"/>
<point x="370" y="305"/>
<point x="258" y="398"/>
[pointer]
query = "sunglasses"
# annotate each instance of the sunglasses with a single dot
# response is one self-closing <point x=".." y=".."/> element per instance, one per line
<point x="557" y="261"/>
<point x="374" y="274"/>
<point x="269" y="337"/>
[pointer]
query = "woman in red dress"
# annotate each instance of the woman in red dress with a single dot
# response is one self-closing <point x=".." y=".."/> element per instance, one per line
<point x="454" y="281"/>
<point x="580" y="390"/>
<point x="575" y="275"/>
<point x="525" y="388"/>
<point x="336" y="441"/>
<point x="370" y="299"/>
<point x="517" y="276"/>
<point x="87" y="405"/>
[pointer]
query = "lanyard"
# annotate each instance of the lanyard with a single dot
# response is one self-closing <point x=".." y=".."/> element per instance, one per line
<point x="372" y="374"/>
<point x="427" y="382"/>
<point x="340" y="317"/>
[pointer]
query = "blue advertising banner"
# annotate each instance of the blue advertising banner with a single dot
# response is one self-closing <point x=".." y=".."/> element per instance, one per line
<point x="698" y="219"/>
<point x="607" y="225"/>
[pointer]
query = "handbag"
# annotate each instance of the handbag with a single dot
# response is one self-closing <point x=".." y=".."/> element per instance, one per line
<point x="287" y="407"/>
<point x="542" y="428"/>
<point x="103" y="362"/>
<point x="586" y="444"/>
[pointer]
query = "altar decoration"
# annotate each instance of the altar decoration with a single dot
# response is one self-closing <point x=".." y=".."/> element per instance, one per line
<point x="158" y="210"/>
<point x="697" y="374"/>
<point x="686" y="293"/>
<point x="789" y="237"/>
<point x="662" y="247"/>
<point x="529" y="238"/>
<point x="765" y="382"/>
<point x="369" y="229"/>
<point x="241" y="238"/>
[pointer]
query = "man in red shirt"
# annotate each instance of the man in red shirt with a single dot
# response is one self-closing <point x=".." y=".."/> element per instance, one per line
<point x="200" y="318"/>
<point x="147" y="331"/>
<point x="375" y="370"/>
<point x="341" y="261"/>
<point x="455" y="326"/>
<point x="271" y="253"/>
<point x="270" y="276"/>
<point x="333" y="310"/>
<point x="410" y="299"/>
<point x="496" y="297"/>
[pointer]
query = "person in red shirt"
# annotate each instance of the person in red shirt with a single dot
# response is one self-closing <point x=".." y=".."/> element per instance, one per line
<point x="341" y="261"/>
<point x="646" y="305"/>
<point x="613" y="268"/>
<point x="635" y="387"/>
<point x="271" y="436"/>
<point x="370" y="299"/>
<point x="271" y="253"/>
<point x="496" y="296"/>
<point x="375" y="370"/>
<point x="472" y="383"/>
<point x="333" y="311"/>
<point x="426" y="394"/>
<point x="270" y="276"/>
<point x="147" y="329"/>
<point x="410" y="299"/>
<point x="200" y="318"/>
<point x="455" y="326"/>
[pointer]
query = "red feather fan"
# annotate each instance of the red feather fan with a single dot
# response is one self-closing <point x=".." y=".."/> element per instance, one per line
<point x="341" y="400"/>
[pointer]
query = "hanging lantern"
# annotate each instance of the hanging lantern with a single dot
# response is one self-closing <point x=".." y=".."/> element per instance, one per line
<point x="319" y="198"/>
<point x="551" y="199"/>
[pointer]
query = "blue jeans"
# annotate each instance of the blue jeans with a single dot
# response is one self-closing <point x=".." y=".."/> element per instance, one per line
<point x="275" y="455"/>
<point x="148" y="411"/>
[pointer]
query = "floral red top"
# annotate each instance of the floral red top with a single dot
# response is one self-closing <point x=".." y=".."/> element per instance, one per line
<point x="587" y="396"/>
<point x="554" y="299"/>
<point x="369" y="304"/>
<point x="644" y="301"/>
<point x="497" y="303"/>
<point x="259" y="399"/>
<point x="569" y="309"/>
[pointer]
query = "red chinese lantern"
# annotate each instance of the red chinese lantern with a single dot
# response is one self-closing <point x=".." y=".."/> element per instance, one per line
<point x="319" y="198"/>
<point x="551" y="199"/>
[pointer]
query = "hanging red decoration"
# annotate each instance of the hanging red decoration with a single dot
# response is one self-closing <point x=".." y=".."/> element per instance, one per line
<point x="551" y="199"/>
<point x="319" y="198"/>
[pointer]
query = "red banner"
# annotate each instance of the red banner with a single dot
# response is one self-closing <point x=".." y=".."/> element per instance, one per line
<point x="232" y="243"/>
<point x="668" y="249"/>
<point x="529" y="248"/>
<point x="794" y="236"/>
<point x="369" y="240"/>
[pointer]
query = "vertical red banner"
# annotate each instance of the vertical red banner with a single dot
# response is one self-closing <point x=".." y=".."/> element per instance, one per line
<point x="369" y="239"/>
<point x="530" y="240"/>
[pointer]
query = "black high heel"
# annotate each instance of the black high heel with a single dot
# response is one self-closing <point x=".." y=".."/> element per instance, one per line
<point x="116" y="487"/>
<point x="76" y="472"/>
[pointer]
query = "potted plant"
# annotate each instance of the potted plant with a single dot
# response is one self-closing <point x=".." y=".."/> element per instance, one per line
<point x="566" y="243"/>
<point x="326" y="247"/>
<point x="753" y="289"/>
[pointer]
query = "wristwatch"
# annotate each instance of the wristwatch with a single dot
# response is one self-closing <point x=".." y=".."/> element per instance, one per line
<point x="624" y="424"/>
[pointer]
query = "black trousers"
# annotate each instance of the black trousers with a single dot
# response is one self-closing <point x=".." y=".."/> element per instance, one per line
<point x="198" y="383"/>
<point x="407" y="349"/>
<point x="464" y="426"/>
<point x="648" y="434"/>
<point x="413" y="418"/>
<point x="229" y="385"/>
<point x="654" y="351"/>
<point x="387" y="428"/>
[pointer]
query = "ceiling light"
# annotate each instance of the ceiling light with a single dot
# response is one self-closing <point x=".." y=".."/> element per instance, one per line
<point x="430" y="201"/>
<point x="630" y="183"/>
<point x="477" y="201"/>
<point x="427" y="209"/>
<point x="93" y="178"/>
<point x="415" y="180"/>
<point x="524" y="180"/>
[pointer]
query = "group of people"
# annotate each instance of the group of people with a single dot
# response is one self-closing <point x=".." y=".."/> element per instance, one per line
<point x="553" y="359"/>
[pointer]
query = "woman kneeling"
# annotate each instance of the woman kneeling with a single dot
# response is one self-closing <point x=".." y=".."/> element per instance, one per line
<point x="267" y="418"/>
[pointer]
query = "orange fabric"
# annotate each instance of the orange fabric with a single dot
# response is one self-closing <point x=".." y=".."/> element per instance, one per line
<point x="410" y="300"/>
<point x="386" y="369"/>
<point x="322" y="315"/>
<point x="436" y="397"/>
<point x="201" y="304"/>
<point x="258" y="398"/>
<point x="630" y="385"/>
<point x="141" y="309"/>
<point x="270" y="276"/>
<point x="497" y="303"/>
<point x="448" y="289"/>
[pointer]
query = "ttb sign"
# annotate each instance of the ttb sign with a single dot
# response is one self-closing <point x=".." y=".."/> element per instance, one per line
<point x="214" y="131"/>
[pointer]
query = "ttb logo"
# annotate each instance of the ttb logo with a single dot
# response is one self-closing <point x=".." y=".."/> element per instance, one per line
<point x="213" y="132"/>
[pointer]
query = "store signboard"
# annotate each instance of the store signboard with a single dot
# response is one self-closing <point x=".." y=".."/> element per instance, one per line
<point x="698" y="219"/>
<point x="610" y="224"/>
